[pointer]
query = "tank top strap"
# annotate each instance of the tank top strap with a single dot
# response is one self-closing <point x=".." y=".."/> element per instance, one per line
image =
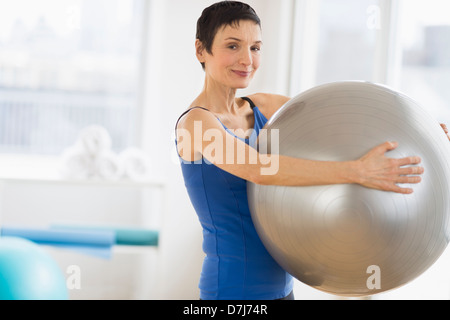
<point x="252" y="104"/>
<point x="185" y="113"/>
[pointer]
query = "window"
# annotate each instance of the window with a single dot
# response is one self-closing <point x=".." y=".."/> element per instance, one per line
<point x="64" y="65"/>
<point x="347" y="40"/>
<point x="401" y="43"/>
<point x="425" y="41"/>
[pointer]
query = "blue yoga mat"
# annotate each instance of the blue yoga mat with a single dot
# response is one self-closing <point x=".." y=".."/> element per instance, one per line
<point x="90" y="238"/>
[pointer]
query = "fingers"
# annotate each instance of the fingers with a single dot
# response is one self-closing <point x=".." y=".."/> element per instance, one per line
<point x="400" y="190"/>
<point x="408" y="161"/>
<point x="445" y="130"/>
<point x="409" y="180"/>
<point x="395" y="187"/>
<point x="411" y="171"/>
<point x="387" y="146"/>
<point x="408" y="175"/>
<point x="391" y="174"/>
<point x="383" y="148"/>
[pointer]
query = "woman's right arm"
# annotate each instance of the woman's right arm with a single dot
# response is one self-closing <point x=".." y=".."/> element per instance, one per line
<point x="201" y="134"/>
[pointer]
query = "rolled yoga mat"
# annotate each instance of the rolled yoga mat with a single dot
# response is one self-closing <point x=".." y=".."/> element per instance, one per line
<point x="126" y="236"/>
<point x="90" y="238"/>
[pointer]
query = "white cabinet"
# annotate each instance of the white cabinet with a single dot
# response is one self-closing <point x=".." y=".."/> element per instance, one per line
<point x="131" y="272"/>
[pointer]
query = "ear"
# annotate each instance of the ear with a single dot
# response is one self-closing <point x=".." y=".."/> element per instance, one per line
<point x="200" y="51"/>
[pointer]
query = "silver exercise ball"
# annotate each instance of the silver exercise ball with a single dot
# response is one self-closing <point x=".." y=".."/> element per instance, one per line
<point x="348" y="240"/>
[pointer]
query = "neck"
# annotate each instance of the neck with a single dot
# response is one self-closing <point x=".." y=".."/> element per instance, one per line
<point x="218" y="98"/>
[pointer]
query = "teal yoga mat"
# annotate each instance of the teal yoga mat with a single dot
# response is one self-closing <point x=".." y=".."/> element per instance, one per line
<point x="123" y="235"/>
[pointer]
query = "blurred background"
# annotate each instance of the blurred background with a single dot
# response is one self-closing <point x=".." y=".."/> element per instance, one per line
<point x="129" y="67"/>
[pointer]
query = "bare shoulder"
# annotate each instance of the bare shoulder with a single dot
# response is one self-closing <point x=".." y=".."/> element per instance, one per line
<point x="192" y="115"/>
<point x="189" y="132"/>
<point x="268" y="103"/>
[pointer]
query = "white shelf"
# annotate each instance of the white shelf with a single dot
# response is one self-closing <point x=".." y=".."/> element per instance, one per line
<point x="46" y="170"/>
<point x="116" y="249"/>
<point x="156" y="183"/>
<point x="134" y="249"/>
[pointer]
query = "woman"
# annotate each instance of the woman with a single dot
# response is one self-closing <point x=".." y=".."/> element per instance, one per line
<point x="237" y="266"/>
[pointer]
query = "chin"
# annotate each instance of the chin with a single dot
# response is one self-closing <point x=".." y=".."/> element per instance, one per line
<point x="242" y="85"/>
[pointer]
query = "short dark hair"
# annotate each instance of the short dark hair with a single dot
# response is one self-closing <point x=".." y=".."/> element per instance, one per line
<point x="221" y="14"/>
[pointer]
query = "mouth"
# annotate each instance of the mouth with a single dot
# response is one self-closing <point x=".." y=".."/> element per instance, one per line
<point x="243" y="74"/>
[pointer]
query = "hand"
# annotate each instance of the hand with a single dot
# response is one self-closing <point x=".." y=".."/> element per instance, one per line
<point x="382" y="173"/>
<point x="445" y="130"/>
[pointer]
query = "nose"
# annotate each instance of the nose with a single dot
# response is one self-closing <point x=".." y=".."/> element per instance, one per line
<point x="246" y="57"/>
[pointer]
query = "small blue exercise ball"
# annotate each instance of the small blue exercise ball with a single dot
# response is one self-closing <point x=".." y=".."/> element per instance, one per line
<point x="27" y="272"/>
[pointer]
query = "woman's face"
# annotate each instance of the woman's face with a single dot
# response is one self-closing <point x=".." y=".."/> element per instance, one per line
<point x="235" y="55"/>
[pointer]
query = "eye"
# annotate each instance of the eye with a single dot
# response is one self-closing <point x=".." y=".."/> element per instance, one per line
<point x="256" y="48"/>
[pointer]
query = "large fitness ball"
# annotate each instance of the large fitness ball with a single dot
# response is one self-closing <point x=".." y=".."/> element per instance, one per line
<point x="27" y="272"/>
<point x="348" y="240"/>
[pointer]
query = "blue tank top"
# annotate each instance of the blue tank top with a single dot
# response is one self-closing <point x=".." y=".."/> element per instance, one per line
<point x="237" y="266"/>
